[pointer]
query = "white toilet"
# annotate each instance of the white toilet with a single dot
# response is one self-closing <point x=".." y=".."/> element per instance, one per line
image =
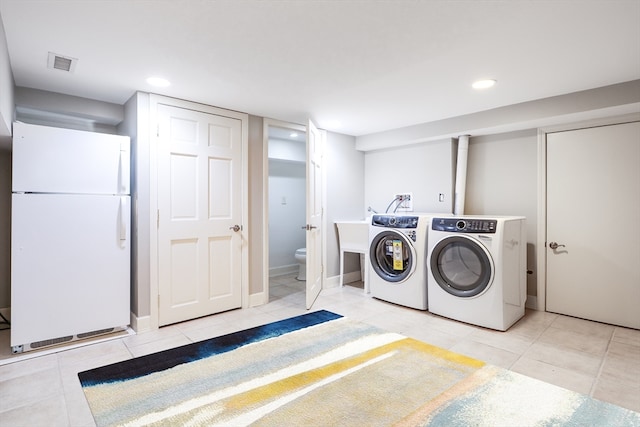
<point x="301" y="257"/>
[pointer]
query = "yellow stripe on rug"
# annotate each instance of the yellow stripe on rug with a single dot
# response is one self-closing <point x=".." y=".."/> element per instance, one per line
<point x="305" y="378"/>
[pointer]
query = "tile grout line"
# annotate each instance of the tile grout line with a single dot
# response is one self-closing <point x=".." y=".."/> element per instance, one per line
<point x="535" y="340"/>
<point x="64" y="392"/>
<point x="601" y="367"/>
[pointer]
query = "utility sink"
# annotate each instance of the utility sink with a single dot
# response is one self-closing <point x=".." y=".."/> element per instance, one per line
<point x="354" y="235"/>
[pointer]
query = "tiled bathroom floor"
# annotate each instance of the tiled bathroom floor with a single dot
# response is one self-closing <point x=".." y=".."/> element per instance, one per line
<point x="592" y="358"/>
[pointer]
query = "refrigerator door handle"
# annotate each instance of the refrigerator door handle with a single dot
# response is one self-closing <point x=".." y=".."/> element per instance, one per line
<point x="123" y="220"/>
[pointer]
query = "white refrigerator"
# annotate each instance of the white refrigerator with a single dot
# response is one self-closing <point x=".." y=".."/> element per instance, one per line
<point x="70" y="235"/>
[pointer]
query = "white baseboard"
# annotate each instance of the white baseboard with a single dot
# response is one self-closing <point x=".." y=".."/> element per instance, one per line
<point x="284" y="270"/>
<point x="354" y="276"/>
<point x="532" y="302"/>
<point x="331" y="282"/>
<point x="256" y="300"/>
<point x="140" y="324"/>
<point x="334" y="282"/>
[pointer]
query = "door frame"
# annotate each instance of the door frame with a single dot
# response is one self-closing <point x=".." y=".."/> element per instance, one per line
<point x="541" y="235"/>
<point x="154" y="101"/>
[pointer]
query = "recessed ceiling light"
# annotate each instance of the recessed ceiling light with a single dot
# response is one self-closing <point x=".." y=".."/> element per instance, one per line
<point x="293" y="135"/>
<point x="483" y="84"/>
<point x="158" y="82"/>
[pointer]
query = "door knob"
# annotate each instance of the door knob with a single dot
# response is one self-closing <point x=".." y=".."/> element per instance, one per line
<point x="554" y="245"/>
<point x="235" y="228"/>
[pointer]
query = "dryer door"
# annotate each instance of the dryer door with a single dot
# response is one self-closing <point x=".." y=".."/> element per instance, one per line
<point x="461" y="266"/>
<point x="392" y="256"/>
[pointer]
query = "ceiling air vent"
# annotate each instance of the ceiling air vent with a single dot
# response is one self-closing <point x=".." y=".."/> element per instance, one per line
<point x="61" y="62"/>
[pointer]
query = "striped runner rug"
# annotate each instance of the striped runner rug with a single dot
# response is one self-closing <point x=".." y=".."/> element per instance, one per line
<point x="322" y="369"/>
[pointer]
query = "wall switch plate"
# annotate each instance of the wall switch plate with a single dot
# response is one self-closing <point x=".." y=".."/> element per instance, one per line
<point x="404" y="202"/>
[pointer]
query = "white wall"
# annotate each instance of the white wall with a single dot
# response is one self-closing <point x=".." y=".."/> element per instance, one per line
<point x="424" y="169"/>
<point x="6" y="92"/>
<point x="73" y="112"/>
<point x="257" y="209"/>
<point x="344" y="168"/>
<point x="287" y="204"/>
<point x="502" y="180"/>
<point x="606" y="101"/>
<point x="295" y="151"/>
<point x="136" y="125"/>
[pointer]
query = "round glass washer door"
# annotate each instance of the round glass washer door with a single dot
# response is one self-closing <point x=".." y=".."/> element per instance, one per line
<point x="392" y="256"/>
<point x="461" y="266"/>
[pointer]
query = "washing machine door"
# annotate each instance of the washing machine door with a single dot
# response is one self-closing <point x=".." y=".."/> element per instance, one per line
<point x="392" y="256"/>
<point x="462" y="266"/>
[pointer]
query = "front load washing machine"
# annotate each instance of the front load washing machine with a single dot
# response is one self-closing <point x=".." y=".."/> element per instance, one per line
<point x="397" y="250"/>
<point x="477" y="269"/>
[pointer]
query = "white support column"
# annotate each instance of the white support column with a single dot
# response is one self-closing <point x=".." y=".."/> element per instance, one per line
<point x="461" y="175"/>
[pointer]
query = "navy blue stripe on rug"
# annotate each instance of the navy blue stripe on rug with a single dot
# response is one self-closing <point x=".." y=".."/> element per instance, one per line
<point x="145" y="365"/>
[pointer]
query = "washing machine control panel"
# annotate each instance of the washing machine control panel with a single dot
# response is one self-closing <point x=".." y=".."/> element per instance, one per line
<point x="464" y="225"/>
<point x="393" y="221"/>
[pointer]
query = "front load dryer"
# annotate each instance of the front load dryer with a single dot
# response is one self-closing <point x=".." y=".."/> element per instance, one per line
<point x="477" y="269"/>
<point x="397" y="251"/>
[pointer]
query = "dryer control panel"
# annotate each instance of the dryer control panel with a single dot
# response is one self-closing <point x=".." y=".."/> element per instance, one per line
<point x="464" y="225"/>
<point x="393" y="221"/>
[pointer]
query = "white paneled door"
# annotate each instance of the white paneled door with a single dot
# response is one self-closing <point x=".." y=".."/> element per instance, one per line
<point x="199" y="214"/>
<point x="314" y="213"/>
<point x="593" y="213"/>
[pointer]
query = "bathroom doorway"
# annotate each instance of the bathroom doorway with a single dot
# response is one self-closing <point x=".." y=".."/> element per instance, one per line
<point x="285" y="216"/>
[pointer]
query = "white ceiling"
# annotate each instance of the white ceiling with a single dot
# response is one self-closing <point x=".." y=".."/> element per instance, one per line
<point x="369" y="65"/>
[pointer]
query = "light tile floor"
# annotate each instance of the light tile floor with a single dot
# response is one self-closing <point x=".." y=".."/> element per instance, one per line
<point x="592" y="358"/>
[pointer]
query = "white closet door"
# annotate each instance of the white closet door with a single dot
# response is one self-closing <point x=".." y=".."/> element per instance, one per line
<point x="593" y="215"/>
<point x="200" y="238"/>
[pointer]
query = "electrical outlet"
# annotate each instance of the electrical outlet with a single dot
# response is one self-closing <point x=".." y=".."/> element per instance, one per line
<point x="405" y="202"/>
